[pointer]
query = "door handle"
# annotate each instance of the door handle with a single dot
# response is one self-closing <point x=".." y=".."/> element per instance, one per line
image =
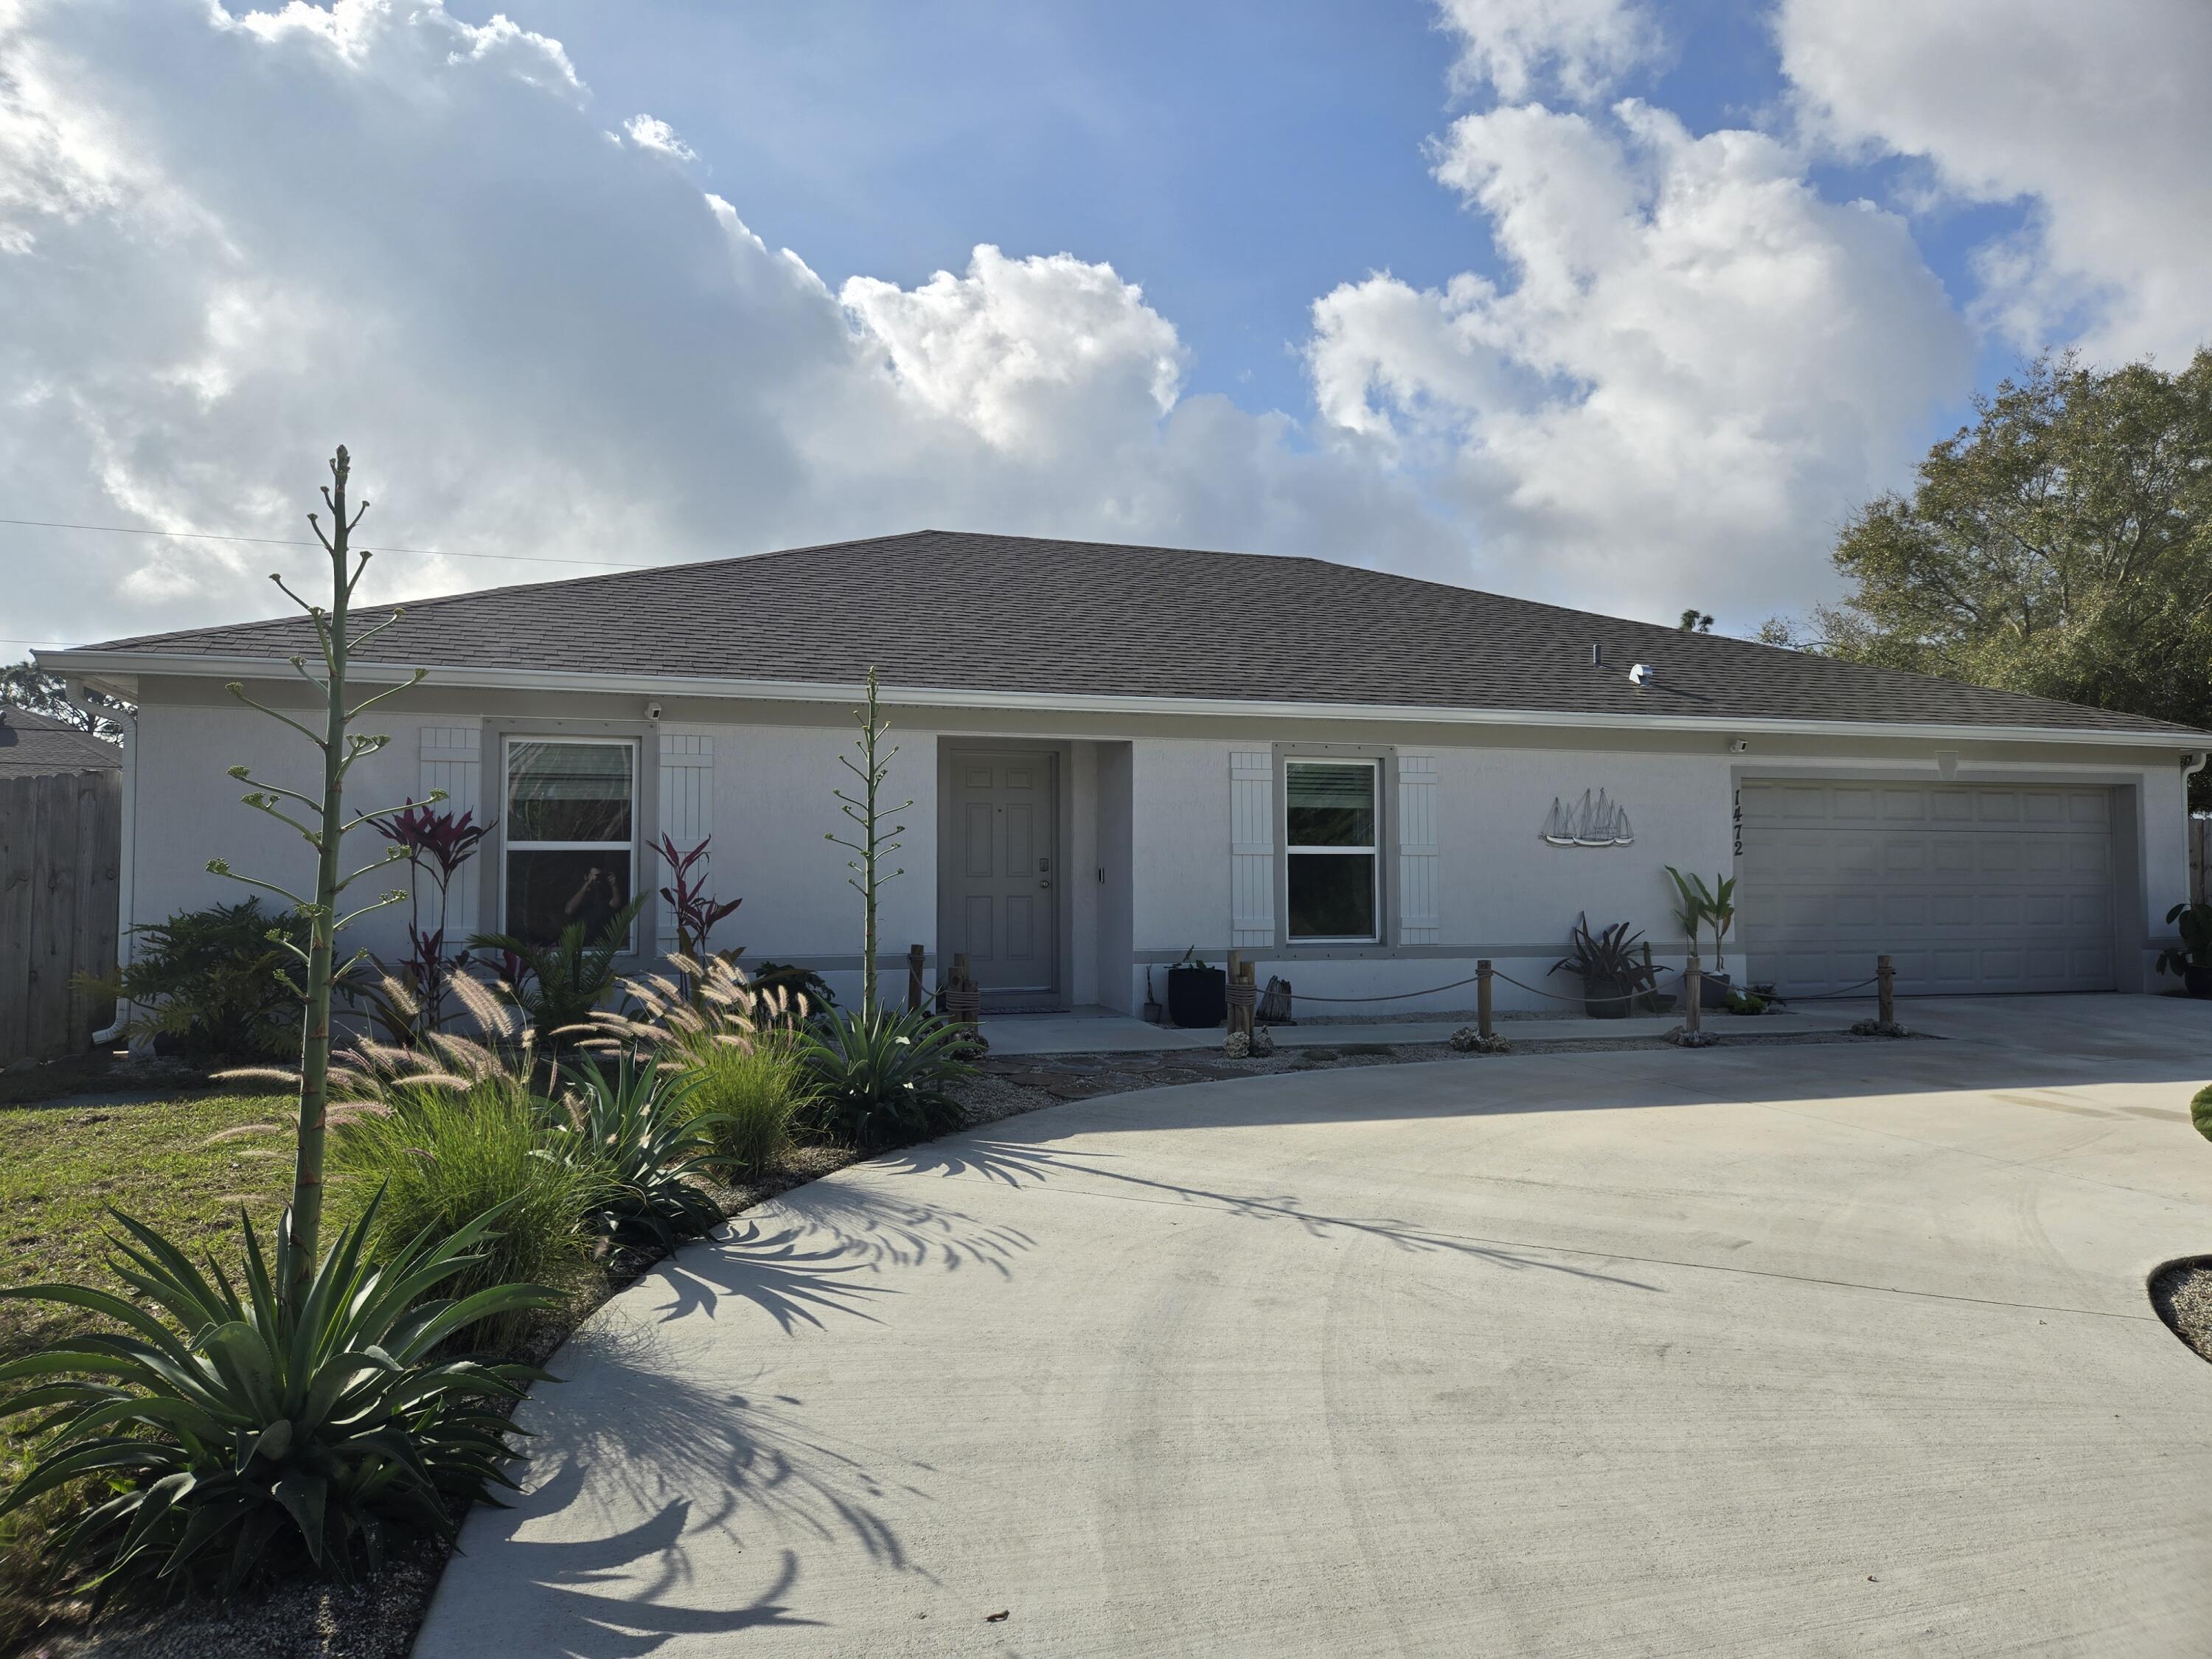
<point x="1046" y="881"/>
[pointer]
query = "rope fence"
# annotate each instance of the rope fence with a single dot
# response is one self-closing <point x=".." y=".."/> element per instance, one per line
<point x="963" y="1000"/>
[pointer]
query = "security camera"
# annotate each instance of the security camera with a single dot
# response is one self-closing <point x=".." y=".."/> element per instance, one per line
<point x="653" y="711"/>
<point x="1739" y="746"/>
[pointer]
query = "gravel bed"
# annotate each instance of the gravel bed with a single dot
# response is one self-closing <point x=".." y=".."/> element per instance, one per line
<point x="2182" y="1293"/>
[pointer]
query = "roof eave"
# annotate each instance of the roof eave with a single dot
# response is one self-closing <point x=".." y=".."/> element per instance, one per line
<point x="93" y="662"/>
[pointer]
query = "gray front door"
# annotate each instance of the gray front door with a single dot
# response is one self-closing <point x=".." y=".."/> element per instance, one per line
<point x="1001" y="883"/>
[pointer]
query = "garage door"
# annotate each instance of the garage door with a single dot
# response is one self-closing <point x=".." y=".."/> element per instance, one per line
<point x="1970" y="887"/>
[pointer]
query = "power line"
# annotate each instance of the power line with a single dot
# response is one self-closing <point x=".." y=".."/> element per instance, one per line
<point x="279" y="541"/>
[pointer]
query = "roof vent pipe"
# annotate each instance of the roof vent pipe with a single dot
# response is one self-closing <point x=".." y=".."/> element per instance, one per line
<point x="1597" y="656"/>
<point x="1640" y="673"/>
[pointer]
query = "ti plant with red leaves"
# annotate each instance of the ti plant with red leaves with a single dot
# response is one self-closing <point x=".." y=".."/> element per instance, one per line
<point x="409" y="1003"/>
<point x="696" y="910"/>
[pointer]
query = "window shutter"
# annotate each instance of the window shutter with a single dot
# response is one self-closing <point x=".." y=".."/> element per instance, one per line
<point x="451" y="759"/>
<point x="1419" y="920"/>
<point x="1252" y="850"/>
<point x="687" y="817"/>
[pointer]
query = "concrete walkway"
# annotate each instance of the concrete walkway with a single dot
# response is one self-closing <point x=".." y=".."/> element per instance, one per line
<point x="1827" y="1349"/>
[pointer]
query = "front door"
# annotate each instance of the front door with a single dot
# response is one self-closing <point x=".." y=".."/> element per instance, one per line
<point x="1001" y="883"/>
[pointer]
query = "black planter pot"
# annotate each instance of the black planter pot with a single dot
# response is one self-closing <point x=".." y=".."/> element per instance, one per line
<point x="2197" y="980"/>
<point x="1607" y="999"/>
<point x="1198" y="996"/>
<point x="1714" y="990"/>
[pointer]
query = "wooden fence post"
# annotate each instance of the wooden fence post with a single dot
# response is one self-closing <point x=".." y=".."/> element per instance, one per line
<point x="1694" y="995"/>
<point x="963" y="1002"/>
<point x="915" y="957"/>
<point x="1484" y="1023"/>
<point x="1885" y="982"/>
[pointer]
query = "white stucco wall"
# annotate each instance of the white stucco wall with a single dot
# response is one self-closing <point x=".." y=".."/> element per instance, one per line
<point x="189" y="811"/>
<point x="1147" y="806"/>
<point x="773" y="808"/>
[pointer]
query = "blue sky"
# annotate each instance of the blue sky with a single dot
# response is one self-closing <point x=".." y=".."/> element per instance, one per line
<point x="1626" y="304"/>
<point x="1235" y="159"/>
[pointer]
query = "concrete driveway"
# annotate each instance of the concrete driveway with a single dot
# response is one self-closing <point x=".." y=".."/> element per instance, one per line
<point x="1839" y="1349"/>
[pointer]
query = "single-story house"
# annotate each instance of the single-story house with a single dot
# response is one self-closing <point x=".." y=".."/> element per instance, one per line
<point x="1117" y="755"/>
<point x="34" y="745"/>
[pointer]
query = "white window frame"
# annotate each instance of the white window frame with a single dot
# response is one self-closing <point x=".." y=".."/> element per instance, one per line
<point x="508" y="844"/>
<point x="1373" y="852"/>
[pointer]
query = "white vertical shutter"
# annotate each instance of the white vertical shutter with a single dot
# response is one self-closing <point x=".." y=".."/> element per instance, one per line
<point x="687" y="816"/>
<point x="452" y="757"/>
<point x="1252" y="850"/>
<point x="1418" y="919"/>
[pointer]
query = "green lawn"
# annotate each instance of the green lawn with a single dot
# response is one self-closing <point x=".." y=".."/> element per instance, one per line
<point x="61" y="1168"/>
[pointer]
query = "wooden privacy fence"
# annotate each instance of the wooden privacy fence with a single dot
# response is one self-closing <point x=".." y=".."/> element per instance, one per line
<point x="61" y="849"/>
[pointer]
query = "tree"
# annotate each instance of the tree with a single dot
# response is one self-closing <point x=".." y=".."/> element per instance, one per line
<point x="340" y="750"/>
<point x="24" y="685"/>
<point x="2062" y="545"/>
<point x="875" y="841"/>
<point x="1695" y="621"/>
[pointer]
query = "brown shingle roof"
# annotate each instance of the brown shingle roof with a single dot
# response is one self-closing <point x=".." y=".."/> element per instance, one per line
<point x="1021" y="614"/>
<point x="32" y="744"/>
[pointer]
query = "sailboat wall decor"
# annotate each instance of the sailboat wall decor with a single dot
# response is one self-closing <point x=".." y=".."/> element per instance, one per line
<point x="1588" y="823"/>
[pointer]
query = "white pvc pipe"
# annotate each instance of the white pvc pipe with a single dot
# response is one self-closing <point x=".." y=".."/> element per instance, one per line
<point x="124" y="882"/>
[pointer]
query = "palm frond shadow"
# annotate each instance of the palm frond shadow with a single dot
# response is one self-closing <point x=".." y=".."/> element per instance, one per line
<point x="601" y="1613"/>
<point x="792" y="1278"/>
<point x="885" y="1228"/>
<point x="691" y="1458"/>
<point x="1019" y="1164"/>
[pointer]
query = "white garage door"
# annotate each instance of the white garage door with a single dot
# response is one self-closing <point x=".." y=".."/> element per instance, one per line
<point x="1970" y="887"/>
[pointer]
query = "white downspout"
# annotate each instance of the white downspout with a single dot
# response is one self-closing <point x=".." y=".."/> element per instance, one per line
<point x="2190" y="766"/>
<point x="126" y="876"/>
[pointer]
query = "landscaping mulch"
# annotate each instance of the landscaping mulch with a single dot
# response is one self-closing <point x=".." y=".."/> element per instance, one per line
<point x="2182" y="1293"/>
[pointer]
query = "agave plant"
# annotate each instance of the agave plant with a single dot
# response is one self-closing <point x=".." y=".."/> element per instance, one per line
<point x="882" y="1072"/>
<point x="248" y="1432"/>
<point x="632" y="1127"/>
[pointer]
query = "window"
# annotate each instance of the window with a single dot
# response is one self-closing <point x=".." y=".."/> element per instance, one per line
<point x="571" y="834"/>
<point x="1329" y="836"/>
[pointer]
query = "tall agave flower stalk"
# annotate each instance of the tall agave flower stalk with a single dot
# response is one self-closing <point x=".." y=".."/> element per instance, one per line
<point x="322" y="826"/>
<point x="870" y="841"/>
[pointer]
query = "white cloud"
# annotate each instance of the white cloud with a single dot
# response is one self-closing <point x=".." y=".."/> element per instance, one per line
<point x="650" y="132"/>
<point x="533" y="339"/>
<point x="1699" y="368"/>
<point x="1029" y="353"/>
<point x="2098" y="114"/>
<point x="1577" y="50"/>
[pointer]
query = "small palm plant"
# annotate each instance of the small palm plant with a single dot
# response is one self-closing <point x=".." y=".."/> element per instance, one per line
<point x="1699" y="906"/>
<point x="558" y="987"/>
